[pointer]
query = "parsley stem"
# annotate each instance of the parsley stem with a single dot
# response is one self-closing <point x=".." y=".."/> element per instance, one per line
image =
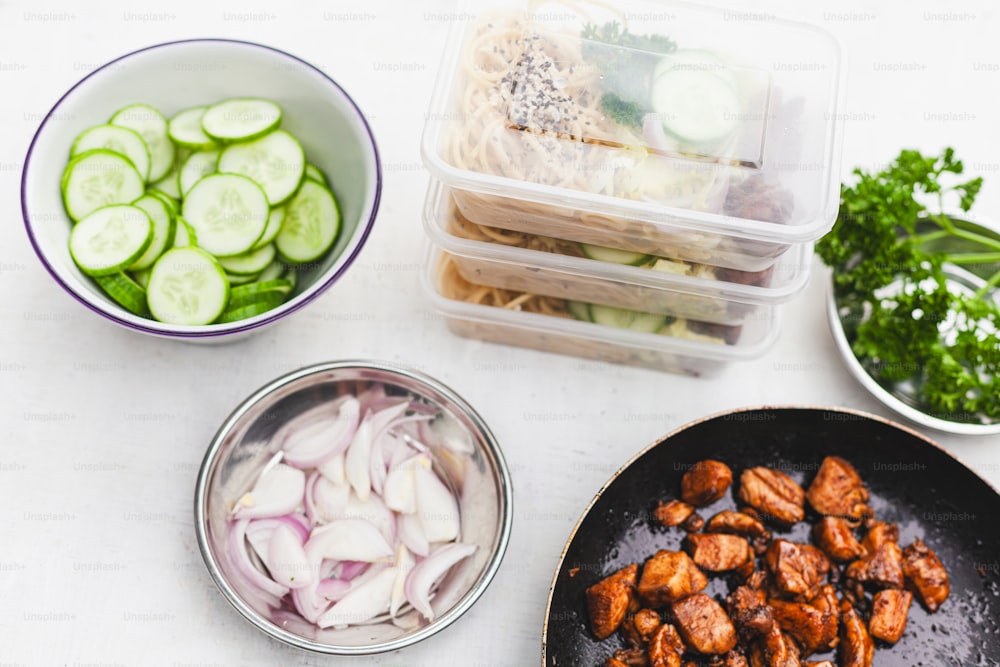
<point x="990" y="284"/>
<point x="973" y="258"/>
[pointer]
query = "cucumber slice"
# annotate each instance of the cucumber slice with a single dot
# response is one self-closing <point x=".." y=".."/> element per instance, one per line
<point x="172" y="204"/>
<point x="578" y="309"/>
<point x="164" y="227"/>
<point x="314" y="173"/>
<point x="228" y="212"/>
<point x="699" y="108"/>
<point x="196" y="167"/>
<point x="272" y="291"/>
<point x="119" y="140"/>
<point x="142" y="278"/>
<point x="99" y="178"/>
<point x="240" y="119"/>
<point x="292" y="276"/>
<point x="110" y="239"/>
<point x="237" y="279"/>
<point x="613" y="255"/>
<point x="250" y="263"/>
<point x="626" y="319"/>
<point x="184" y="235"/>
<point x="187" y="286"/>
<point x="185" y="130"/>
<point x="274" y="271"/>
<point x="244" y="312"/>
<point x="126" y="292"/>
<point x="152" y="126"/>
<point x="275" y="161"/>
<point x="312" y="223"/>
<point x="274" y="222"/>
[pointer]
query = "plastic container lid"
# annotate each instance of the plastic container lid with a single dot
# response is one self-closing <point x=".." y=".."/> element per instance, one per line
<point x="646" y="111"/>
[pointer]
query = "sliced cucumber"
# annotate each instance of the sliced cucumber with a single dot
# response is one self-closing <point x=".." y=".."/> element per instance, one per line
<point x="240" y="119"/>
<point x="272" y="292"/>
<point x="275" y="161"/>
<point x="613" y="255"/>
<point x="236" y="279"/>
<point x="184" y="235"/>
<point x="251" y="263"/>
<point x="152" y="126"/>
<point x="164" y="226"/>
<point x="142" y="278"/>
<point x="626" y="319"/>
<point x="99" y="178"/>
<point x="228" y="212"/>
<point x="128" y="293"/>
<point x="187" y="286"/>
<point x="245" y="312"/>
<point x="578" y="309"/>
<point x="110" y="239"/>
<point x="274" y="222"/>
<point x="172" y="204"/>
<point x="699" y="108"/>
<point x="274" y="271"/>
<point x="312" y="223"/>
<point x="197" y="166"/>
<point x="120" y="140"/>
<point x="185" y="130"/>
<point x="314" y="173"/>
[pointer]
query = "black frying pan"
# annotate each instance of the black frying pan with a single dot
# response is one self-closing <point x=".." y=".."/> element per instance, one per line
<point x="912" y="482"/>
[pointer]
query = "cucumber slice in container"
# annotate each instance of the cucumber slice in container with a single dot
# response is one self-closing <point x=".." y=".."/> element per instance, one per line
<point x="251" y="263"/>
<point x="228" y="212"/>
<point x="110" y="239"/>
<point x="276" y="161"/>
<point x="613" y="255"/>
<point x="699" y="108"/>
<point x="274" y="222"/>
<point x="187" y="286"/>
<point x="240" y="119"/>
<point x="312" y="224"/>
<point x="184" y="235"/>
<point x="128" y="293"/>
<point x="152" y="126"/>
<point x="185" y="130"/>
<point x="274" y="271"/>
<point x="119" y="140"/>
<point x="314" y="173"/>
<point x="627" y="319"/>
<point x="272" y="292"/>
<point x="164" y="226"/>
<point x="247" y="311"/>
<point x="197" y="166"/>
<point x="579" y="310"/>
<point x="98" y="178"/>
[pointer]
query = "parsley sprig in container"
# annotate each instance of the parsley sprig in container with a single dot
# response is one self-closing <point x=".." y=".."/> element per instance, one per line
<point x="915" y="294"/>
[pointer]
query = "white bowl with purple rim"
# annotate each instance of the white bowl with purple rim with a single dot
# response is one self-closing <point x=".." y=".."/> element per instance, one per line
<point x="175" y="75"/>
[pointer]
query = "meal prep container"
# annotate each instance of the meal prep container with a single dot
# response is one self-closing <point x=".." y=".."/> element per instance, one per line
<point x="565" y="335"/>
<point x="524" y="126"/>
<point x="690" y="291"/>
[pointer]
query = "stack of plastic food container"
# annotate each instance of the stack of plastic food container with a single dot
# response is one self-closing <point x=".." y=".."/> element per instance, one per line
<point x="639" y="184"/>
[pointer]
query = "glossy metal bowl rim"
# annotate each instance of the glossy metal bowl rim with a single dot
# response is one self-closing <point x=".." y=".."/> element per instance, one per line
<point x="718" y="415"/>
<point x="880" y="393"/>
<point x="211" y="461"/>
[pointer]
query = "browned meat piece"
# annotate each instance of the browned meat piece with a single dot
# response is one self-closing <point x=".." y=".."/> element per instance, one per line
<point x="835" y="537"/>
<point x="718" y="552"/>
<point x="798" y="570"/>
<point x="666" y="647"/>
<point x="646" y="622"/>
<point x="821" y="663"/>
<point x="856" y="648"/>
<point x="739" y="523"/>
<point x="609" y="599"/>
<point x="889" y="610"/>
<point x="704" y="625"/>
<point x="694" y="523"/>
<point x="773" y="494"/>
<point x="735" y="659"/>
<point x="925" y="574"/>
<point x="669" y="576"/>
<point x="631" y="657"/>
<point x="775" y="649"/>
<point x="813" y="629"/>
<point x="750" y="613"/>
<point x="672" y="513"/>
<point x="706" y="482"/>
<point x="615" y="662"/>
<point x="837" y="490"/>
<point x="881" y="563"/>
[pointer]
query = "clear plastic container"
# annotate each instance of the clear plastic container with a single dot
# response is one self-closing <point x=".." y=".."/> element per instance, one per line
<point x="558" y="268"/>
<point x="700" y="352"/>
<point x="671" y="129"/>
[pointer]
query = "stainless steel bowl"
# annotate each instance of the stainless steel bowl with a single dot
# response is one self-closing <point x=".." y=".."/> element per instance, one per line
<point x="242" y="447"/>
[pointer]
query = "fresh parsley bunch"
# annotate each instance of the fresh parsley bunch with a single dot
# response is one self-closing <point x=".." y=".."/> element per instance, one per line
<point x="885" y="250"/>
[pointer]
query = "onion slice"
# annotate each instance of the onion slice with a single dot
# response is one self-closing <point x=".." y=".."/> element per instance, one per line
<point x="361" y="603"/>
<point x="269" y="590"/>
<point x="436" y="505"/>
<point x="356" y="460"/>
<point x="328" y="434"/>
<point x="425" y="574"/>
<point x="286" y="559"/>
<point x="278" y="491"/>
<point x="348" y="539"/>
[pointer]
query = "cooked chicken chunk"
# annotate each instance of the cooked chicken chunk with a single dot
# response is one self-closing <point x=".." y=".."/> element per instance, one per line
<point x="609" y="599"/>
<point x="672" y="513"/>
<point x="797" y="569"/>
<point x="630" y="657"/>
<point x="889" y="610"/>
<point x="614" y="662"/>
<point x="835" y="537"/>
<point x="704" y="625"/>
<point x="706" y="482"/>
<point x="775" y="649"/>
<point x="773" y="494"/>
<point x="735" y="659"/>
<point x="814" y="630"/>
<point x="666" y="647"/>
<point x="740" y="523"/>
<point x="856" y="648"/>
<point x="881" y="563"/>
<point x="694" y="523"/>
<point x="750" y="613"/>
<point x="669" y="576"/>
<point x="718" y="552"/>
<point x="821" y="663"/>
<point x="646" y="622"/>
<point x="837" y="490"/>
<point x="925" y="574"/>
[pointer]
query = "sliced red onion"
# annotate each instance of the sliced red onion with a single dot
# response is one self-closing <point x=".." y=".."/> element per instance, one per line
<point x="377" y="465"/>
<point x="333" y="589"/>
<point x="260" y="531"/>
<point x="327" y="435"/>
<point x="403" y="564"/>
<point x="309" y="602"/>
<point x="348" y="539"/>
<point x="286" y="559"/>
<point x="411" y="533"/>
<point x="269" y="590"/>
<point x="425" y="575"/>
<point x="436" y="505"/>
<point x="278" y="491"/>
<point x="361" y="603"/>
<point x="357" y="458"/>
<point x="351" y="569"/>
<point x="400" y="492"/>
<point x="330" y="500"/>
<point x="333" y="469"/>
<point x="373" y="511"/>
